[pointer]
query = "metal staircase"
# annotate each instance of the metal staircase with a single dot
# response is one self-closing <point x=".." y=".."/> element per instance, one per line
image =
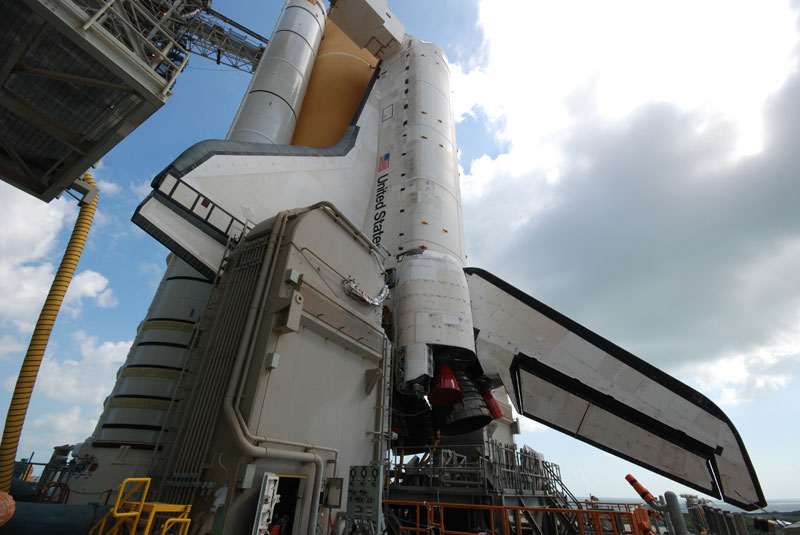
<point x="561" y="497"/>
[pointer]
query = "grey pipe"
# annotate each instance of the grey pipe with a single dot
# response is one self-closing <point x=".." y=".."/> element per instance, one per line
<point x="259" y="439"/>
<point x="667" y="517"/>
<point x="284" y="455"/>
<point x="673" y="518"/>
<point x="675" y="513"/>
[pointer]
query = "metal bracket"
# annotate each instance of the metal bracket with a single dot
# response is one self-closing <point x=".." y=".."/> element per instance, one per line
<point x="87" y="191"/>
<point x="290" y="309"/>
<point x="372" y="376"/>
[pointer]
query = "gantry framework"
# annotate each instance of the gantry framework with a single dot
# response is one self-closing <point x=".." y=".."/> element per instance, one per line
<point x="77" y="76"/>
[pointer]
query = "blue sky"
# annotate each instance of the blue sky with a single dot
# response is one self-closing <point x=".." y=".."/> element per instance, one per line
<point x="631" y="165"/>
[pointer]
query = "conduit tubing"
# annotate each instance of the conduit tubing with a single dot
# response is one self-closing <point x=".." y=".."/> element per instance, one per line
<point x="18" y="407"/>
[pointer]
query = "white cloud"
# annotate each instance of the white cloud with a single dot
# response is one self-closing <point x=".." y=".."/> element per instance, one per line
<point x="29" y="238"/>
<point x="470" y="90"/>
<point x="106" y="299"/>
<point x="624" y="198"/>
<point x="70" y="425"/>
<point x="526" y="425"/>
<point x="151" y="268"/>
<point x="101" y="220"/>
<point x="31" y="226"/>
<point x="10" y="381"/>
<point x="153" y="272"/>
<point x="67" y="426"/>
<point x="66" y="379"/>
<point x="10" y="344"/>
<point x="108" y="188"/>
<point x="543" y="69"/>
<point x="29" y="256"/>
<point x="91" y="285"/>
<point x="745" y="377"/>
<point x="141" y="188"/>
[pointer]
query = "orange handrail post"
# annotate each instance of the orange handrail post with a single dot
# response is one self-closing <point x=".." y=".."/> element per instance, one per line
<point x="623" y="517"/>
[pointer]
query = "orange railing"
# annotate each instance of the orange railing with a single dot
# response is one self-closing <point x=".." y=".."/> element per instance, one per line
<point x="594" y="518"/>
<point x="614" y="506"/>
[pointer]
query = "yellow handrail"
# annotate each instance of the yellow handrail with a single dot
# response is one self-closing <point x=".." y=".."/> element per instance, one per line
<point x="141" y="514"/>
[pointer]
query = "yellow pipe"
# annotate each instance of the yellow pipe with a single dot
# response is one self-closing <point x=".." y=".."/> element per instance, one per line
<point x="428" y="457"/>
<point x="41" y="335"/>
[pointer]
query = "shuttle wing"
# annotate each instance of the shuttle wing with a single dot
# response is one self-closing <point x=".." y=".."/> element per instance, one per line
<point x="561" y="374"/>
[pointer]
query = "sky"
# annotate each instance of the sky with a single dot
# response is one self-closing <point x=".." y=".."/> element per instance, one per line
<point x="633" y="164"/>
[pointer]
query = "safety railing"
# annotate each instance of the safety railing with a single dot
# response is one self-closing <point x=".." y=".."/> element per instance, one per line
<point x="147" y="33"/>
<point x="127" y="508"/>
<point x="425" y="518"/>
<point x="202" y="207"/>
<point x="556" y="484"/>
<point x="447" y="469"/>
<point x="503" y="469"/>
<point x="515" y="470"/>
<point x="612" y="506"/>
<point x="132" y="514"/>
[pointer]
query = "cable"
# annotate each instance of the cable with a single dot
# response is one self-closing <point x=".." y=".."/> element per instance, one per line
<point x="18" y="407"/>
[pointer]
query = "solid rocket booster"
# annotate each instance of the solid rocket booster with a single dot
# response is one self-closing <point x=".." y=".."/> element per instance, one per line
<point x="268" y="113"/>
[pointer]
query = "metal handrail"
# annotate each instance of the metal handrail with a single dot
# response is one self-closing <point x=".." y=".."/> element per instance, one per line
<point x="503" y="469"/>
<point x="153" y="56"/>
<point x="554" y="477"/>
<point x="428" y="515"/>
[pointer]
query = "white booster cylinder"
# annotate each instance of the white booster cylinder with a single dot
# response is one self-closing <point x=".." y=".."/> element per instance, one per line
<point x="135" y="411"/>
<point x="268" y="113"/>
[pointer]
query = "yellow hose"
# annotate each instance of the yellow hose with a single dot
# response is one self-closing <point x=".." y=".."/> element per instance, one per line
<point x="41" y="335"/>
<point x="428" y="457"/>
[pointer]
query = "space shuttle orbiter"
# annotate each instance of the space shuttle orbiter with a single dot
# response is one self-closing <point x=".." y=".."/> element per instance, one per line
<point x="372" y="134"/>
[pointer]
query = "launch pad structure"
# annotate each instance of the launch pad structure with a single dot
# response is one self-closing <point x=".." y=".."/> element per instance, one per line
<point x="317" y="357"/>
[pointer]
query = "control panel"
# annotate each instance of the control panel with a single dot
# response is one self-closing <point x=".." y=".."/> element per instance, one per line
<point x="364" y="498"/>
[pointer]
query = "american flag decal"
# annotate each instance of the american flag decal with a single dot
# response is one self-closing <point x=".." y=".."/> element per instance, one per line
<point x="383" y="162"/>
